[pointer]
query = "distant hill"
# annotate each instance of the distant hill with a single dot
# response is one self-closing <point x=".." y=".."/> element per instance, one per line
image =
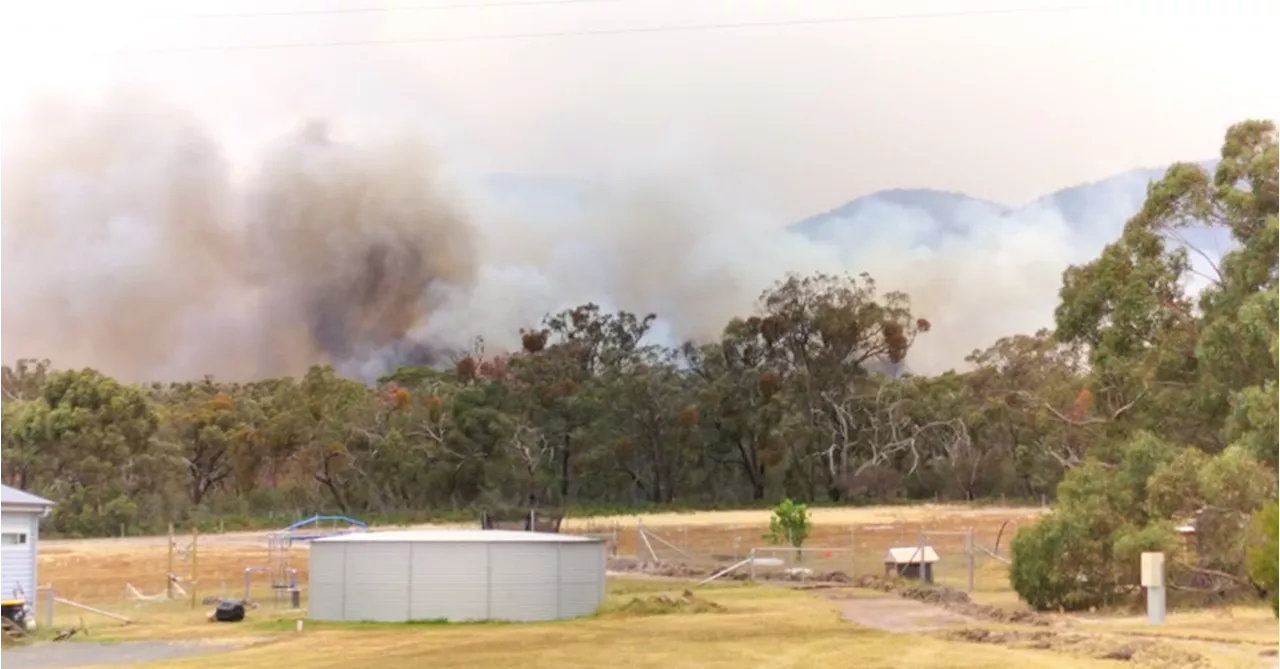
<point x="915" y="217"/>
<point x="979" y="269"/>
<point x="950" y="212"/>
<point x="1098" y="208"/>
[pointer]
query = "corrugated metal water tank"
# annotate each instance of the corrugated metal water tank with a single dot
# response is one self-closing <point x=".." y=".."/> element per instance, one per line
<point x="455" y="575"/>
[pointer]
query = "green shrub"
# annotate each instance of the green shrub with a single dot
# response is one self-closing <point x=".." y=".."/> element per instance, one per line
<point x="1036" y="573"/>
<point x="789" y="525"/>
<point x="1264" y="556"/>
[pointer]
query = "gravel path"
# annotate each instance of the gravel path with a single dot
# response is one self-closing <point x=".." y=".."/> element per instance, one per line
<point x="895" y="614"/>
<point x="87" y="654"/>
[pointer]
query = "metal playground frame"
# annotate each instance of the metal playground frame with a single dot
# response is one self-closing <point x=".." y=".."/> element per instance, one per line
<point x="279" y="568"/>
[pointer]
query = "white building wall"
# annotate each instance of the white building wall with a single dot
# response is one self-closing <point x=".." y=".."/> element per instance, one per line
<point x="449" y="581"/>
<point x="377" y="587"/>
<point x="581" y="578"/>
<point x="33" y="546"/>
<point x="18" y="562"/>
<point x="325" y="579"/>
<point x="522" y="581"/>
<point x="455" y="581"/>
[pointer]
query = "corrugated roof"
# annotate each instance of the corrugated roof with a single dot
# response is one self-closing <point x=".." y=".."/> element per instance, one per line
<point x="455" y="536"/>
<point x="21" y="498"/>
<point x="910" y="555"/>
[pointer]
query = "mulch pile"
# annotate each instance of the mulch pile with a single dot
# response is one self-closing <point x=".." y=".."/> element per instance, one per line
<point x="687" y="602"/>
<point x="1138" y="651"/>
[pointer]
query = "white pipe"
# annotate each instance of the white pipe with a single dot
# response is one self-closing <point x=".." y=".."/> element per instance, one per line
<point x="724" y="571"/>
<point x="90" y="609"/>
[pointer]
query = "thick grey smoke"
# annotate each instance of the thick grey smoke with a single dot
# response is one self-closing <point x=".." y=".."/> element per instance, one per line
<point x="130" y="246"/>
<point x="697" y="256"/>
<point x="352" y="242"/>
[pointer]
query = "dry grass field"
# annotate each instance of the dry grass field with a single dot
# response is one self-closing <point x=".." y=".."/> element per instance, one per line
<point x="98" y="570"/>
<point x="759" y="626"/>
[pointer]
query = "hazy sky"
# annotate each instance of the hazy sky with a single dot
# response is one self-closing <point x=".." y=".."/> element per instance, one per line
<point x="1006" y="107"/>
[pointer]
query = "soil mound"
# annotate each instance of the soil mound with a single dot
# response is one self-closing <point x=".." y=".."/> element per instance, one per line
<point x="1139" y="652"/>
<point x="660" y="604"/>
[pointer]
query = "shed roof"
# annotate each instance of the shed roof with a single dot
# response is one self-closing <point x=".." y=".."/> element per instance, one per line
<point x="12" y="497"/>
<point x="454" y="536"/>
<point x="910" y="555"/>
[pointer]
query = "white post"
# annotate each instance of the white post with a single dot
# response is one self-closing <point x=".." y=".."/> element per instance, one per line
<point x="853" y="551"/>
<point x="968" y="551"/>
<point x="920" y="556"/>
<point x="48" y="608"/>
<point x="1153" y="581"/>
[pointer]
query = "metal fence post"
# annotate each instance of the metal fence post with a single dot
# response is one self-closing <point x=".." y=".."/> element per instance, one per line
<point x="921" y="569"/>
<point x="751" y="573"/>
<point x="48" y="608"/>
<point x="853" y="551"/>
<point x="968" y="550"/>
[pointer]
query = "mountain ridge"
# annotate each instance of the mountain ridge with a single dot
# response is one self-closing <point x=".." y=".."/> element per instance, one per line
<point x="1098" y="205"/>
<point x="1091" y="205"/>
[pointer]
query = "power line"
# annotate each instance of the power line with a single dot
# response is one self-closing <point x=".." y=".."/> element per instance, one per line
<point x="385" y="9"/>
<point x="706" y="27"/>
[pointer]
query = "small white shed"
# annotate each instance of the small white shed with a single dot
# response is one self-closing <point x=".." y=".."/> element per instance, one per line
<point x="911" y="562"/>
<point x="20" y="514"/>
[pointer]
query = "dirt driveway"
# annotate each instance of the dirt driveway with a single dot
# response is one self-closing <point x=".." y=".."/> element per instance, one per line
<point x="898" y="615"/>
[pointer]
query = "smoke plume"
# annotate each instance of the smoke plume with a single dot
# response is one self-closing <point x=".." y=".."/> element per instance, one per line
<point x="130" y="245"/>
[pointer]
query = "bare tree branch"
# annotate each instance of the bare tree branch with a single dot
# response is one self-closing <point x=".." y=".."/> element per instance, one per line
<point x="1084" y="422"/>
<point x="878" y="432"/>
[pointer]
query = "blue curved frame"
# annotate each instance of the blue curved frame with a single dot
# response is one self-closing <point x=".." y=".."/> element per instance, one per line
<point x="319" y="519"/>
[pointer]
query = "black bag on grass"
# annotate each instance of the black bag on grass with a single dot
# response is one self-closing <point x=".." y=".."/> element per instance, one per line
<point x="229" y="611"/>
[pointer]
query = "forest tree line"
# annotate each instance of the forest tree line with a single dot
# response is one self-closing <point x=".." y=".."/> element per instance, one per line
<point x="1142" y="406"/>
<point x="788" y="403"/>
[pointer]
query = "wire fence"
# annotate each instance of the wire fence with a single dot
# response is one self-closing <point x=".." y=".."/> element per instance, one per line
<point x="801" y="564"/>
<point x="969" y="558"/>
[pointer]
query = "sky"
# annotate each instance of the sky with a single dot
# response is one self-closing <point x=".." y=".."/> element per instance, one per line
<point x="1000" y="106"/>
<point x="175" y="212"/>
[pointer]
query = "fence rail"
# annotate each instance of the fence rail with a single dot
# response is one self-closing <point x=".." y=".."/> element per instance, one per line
<point x="968" y="558"/>
<point x="802" y="564"/>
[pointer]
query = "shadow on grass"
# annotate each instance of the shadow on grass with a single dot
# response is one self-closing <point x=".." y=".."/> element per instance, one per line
<point x="625" y="599"/>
